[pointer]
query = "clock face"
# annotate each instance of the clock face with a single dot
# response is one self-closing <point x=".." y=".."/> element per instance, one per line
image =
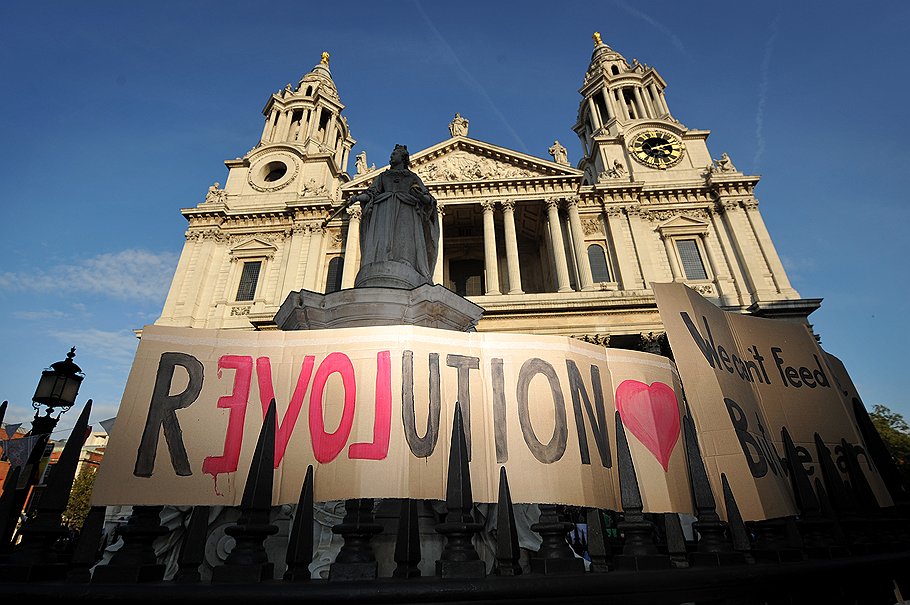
<point x="657" y="149"/>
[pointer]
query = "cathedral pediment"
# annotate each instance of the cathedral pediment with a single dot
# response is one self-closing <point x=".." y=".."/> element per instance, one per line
<point x="463" y="160"/>
<point x="682" y="224"/>
<point x="253" y="247"/>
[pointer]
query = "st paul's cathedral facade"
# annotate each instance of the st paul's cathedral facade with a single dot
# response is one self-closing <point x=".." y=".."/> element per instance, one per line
<point x="540" y="245"/>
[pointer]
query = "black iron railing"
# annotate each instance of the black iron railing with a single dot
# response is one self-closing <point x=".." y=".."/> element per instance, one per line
<point x="841" y="548"/>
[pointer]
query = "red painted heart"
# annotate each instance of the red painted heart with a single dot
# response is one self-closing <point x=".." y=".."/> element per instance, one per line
<point x="651" y="413"/>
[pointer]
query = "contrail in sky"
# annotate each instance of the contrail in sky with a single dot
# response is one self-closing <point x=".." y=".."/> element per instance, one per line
<point x="655" y="24"/>
<point x="763" y="95"/>
<point x="466" y="75"/>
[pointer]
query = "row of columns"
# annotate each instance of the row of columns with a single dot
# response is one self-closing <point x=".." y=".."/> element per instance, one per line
<point x="280" y="123"/>
<point x="654" y="107"/>
<point x="491" y="257"/>
<point x="560" y="258"/>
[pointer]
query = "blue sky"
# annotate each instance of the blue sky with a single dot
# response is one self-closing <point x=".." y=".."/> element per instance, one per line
<point x="114" y="115"/>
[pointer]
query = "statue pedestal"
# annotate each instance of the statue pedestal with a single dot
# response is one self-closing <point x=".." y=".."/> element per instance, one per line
<point x="429" y="306"/>
<point x="426" y="305"/>
<point x="389" y="274"/>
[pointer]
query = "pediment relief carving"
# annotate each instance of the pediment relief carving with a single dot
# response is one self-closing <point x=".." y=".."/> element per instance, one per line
<point x="463" y="165"/>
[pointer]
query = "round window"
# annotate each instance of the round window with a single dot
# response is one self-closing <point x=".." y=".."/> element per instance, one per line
<point x="274" y="171"/>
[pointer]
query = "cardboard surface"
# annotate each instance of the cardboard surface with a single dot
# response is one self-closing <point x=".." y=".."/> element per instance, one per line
<point x="745" y="379"/>
<point x="372" y="408"/>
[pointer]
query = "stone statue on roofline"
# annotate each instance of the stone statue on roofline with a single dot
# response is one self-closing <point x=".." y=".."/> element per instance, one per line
<point x="724" y="164"/>
<point x="458" y="127"/>
<point x="559" y="153"/>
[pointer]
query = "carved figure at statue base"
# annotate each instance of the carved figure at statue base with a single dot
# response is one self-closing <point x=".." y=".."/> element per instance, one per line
<point x="399" y="230"/>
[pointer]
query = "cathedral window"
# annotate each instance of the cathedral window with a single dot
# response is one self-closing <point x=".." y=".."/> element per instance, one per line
<point x="598" y="260"/>
<point x="249" y="278"/>
<point x="690" y="257"/>
<point x="275" y="171"/>
<point x="333" y="275"/>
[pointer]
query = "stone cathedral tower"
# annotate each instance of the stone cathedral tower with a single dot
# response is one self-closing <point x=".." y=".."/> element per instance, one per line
<point x="542" y="246"/>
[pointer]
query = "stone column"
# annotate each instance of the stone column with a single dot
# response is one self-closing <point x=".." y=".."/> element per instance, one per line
<point x="595" y="117"/>
<point x="586" y="281"/>
<point x="658" y="110"/>
<point x="508" y="212"/>
<point x="489" y="249"/>
<point x="289" y="263"/>
<point x="439" y="269"/>
<point x="640" y="103"/>
<point x="351" y="248"/>
<point x="216" y="254"/>
<point x="663" y="101"/>
<point x="269" y="122"/>
<point x="778" y="273"/>
<point x="559" y="249"/>
<point x="624" y="107"/>
<point x="671" y="257"/>
<point x="608" y="103"/>
<point x="753" y="264"/>
<point x="629" y="275"/>
<point x="290" y="130"/>
<point x="312" y="260"/>
<point x="650" y="342"/>
<point x="183" y="277"/>
<point x="731" y="281"/>
<point x="643" y="242"/>
<point x="281" y="128"/>
<point x="712" y="260"/>
<point x="313" y="121"/>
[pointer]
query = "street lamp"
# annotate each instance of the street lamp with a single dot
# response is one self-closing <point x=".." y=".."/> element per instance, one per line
<point x="57" y="388"/>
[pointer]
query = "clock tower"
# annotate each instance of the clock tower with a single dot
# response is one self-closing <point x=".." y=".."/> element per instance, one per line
<point x="626" y="128"/>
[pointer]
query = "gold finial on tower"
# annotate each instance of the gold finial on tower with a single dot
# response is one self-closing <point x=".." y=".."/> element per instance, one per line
<point x="325" y="58"/>
<point x="597" y="40"/>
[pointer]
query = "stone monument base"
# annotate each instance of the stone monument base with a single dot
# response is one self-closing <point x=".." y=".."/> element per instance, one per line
<point x="389" y="274"/>
<point x="428" y="306"/>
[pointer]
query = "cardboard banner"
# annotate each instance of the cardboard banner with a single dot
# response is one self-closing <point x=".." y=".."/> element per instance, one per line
<point x="747" y="378"/>
<point x="372" y="408"/>
<point x="874" y="455"/>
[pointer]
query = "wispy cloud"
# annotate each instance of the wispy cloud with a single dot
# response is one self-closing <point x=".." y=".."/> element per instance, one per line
<point x="124" y="275"/>
<point x="39" y="315"/>
<point x="799" y="267"/>
<point x="469" y="78"/>
<point x="764" y="78"/>
<point x="665" y="30"/>
<point x="118" y="347"/>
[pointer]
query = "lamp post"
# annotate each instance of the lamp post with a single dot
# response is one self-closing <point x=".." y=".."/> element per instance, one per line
<point x="57" y="388"/>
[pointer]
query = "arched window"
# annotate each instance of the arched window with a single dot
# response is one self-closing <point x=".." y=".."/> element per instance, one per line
<point x="615" y="70"/>
<point x="333" y="275"/>
<point x="598" y="260"/>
